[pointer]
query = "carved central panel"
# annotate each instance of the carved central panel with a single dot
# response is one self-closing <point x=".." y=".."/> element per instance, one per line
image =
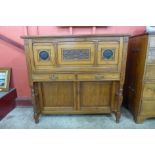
<point x="76" y="54"/>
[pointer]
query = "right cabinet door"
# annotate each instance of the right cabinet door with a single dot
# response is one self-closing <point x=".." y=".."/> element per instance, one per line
<point x="95" y="96"/>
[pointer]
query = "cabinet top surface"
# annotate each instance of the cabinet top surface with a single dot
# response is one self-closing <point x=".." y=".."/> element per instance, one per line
<point x="76" y="36"/>
<point x="144" y="34"/>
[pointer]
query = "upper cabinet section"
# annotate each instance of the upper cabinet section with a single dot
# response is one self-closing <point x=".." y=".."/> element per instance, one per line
<point x="80" y="53"/>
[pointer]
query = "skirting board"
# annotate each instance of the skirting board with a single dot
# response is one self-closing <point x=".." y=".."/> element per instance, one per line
<point x="23" y="101"/>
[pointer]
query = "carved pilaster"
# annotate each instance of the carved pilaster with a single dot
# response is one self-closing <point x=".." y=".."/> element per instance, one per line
<point x="35" y="106"/>
<point x="119" y="103"/>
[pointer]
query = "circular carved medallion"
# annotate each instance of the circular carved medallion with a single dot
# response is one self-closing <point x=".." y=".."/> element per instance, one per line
<point x="44" y="55"/>
<point x="107" y="54"/>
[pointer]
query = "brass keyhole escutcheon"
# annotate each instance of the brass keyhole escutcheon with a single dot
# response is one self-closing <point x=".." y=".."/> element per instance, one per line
<point x="53" y="77"/>
<point x="99" y="77"/>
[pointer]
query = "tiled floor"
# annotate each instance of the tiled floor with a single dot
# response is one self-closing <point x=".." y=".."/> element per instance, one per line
<point x="21" y="117"/>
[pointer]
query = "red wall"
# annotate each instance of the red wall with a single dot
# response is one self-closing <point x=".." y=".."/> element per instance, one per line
<point x="11" y="56"/>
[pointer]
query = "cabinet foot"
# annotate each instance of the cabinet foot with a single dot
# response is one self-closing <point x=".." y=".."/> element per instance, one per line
<point x="139" y="119"/>
<point x="36" y="118"/>
<point x="118" y="116"/>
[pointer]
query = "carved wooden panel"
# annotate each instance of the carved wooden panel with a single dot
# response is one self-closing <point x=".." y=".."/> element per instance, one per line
<point x="108" y="53"/>
<point x="76" y="53"/>
<point x="43" y="56"/>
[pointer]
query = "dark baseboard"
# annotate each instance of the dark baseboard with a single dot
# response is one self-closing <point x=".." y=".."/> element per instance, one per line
<point x="23" y="101"/>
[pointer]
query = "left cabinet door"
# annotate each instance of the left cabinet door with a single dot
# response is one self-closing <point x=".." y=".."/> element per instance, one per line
<point x="43" y="55"/>
<point x="57" y="97"/>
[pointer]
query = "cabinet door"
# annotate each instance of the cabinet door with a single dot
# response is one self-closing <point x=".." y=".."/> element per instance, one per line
<point x="152" y="41"/>
<point x="95" y="96"/>
<point x="43" y="56"/>
<point x="150" y="72"/>
<point x="108" y="53"/>
<point x="57" y="96"/>
<point x="148" y="108"/>
<point x="149" y="91"/>
<point x="151" y="56"/>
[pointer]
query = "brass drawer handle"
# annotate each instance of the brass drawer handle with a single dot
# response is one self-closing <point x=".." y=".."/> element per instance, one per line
<point x="53" y="77"/>
<point x="99" y="77"/>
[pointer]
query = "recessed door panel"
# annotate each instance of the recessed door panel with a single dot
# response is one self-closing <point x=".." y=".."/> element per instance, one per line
<point x="58" y="95"/>
<point x="108" y="53"/>
<point x="149" y="90"/>
<point x="44" y="55"/>
<point x="148" y="107"/>
<point x="95" y="95"/>
<point x="150" y="72"/>
<point x="151" y="56"/>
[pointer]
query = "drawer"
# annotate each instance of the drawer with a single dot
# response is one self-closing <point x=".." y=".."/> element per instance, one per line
<point x="98" y="77"/>
<point x="151" y="56"/>
<point x="76" y="53"/>
<point x="152" y="42"/>
<point x="149" y="90"/>
<point x="150" y="72"/>
<point x="53" y="77"/>
<point x="148" y="107"/>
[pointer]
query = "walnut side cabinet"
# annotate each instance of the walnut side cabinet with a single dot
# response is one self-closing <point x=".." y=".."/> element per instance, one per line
<point x="76" y="74"/>
<point x="139" y="89"/>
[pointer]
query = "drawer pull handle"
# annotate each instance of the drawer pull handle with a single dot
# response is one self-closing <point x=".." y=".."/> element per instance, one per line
<point x="99" y="77"/>
<point x="53" y="77"/>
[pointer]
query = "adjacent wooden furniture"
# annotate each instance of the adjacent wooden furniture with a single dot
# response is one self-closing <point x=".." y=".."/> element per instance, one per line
<point x="139" y="92"/>
<point x="7" y="102"/>
<point x="76" y="74"/>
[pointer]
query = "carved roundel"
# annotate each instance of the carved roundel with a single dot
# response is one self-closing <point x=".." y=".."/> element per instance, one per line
<point x="108" y="54"/>
<point x="44" y="55"/>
